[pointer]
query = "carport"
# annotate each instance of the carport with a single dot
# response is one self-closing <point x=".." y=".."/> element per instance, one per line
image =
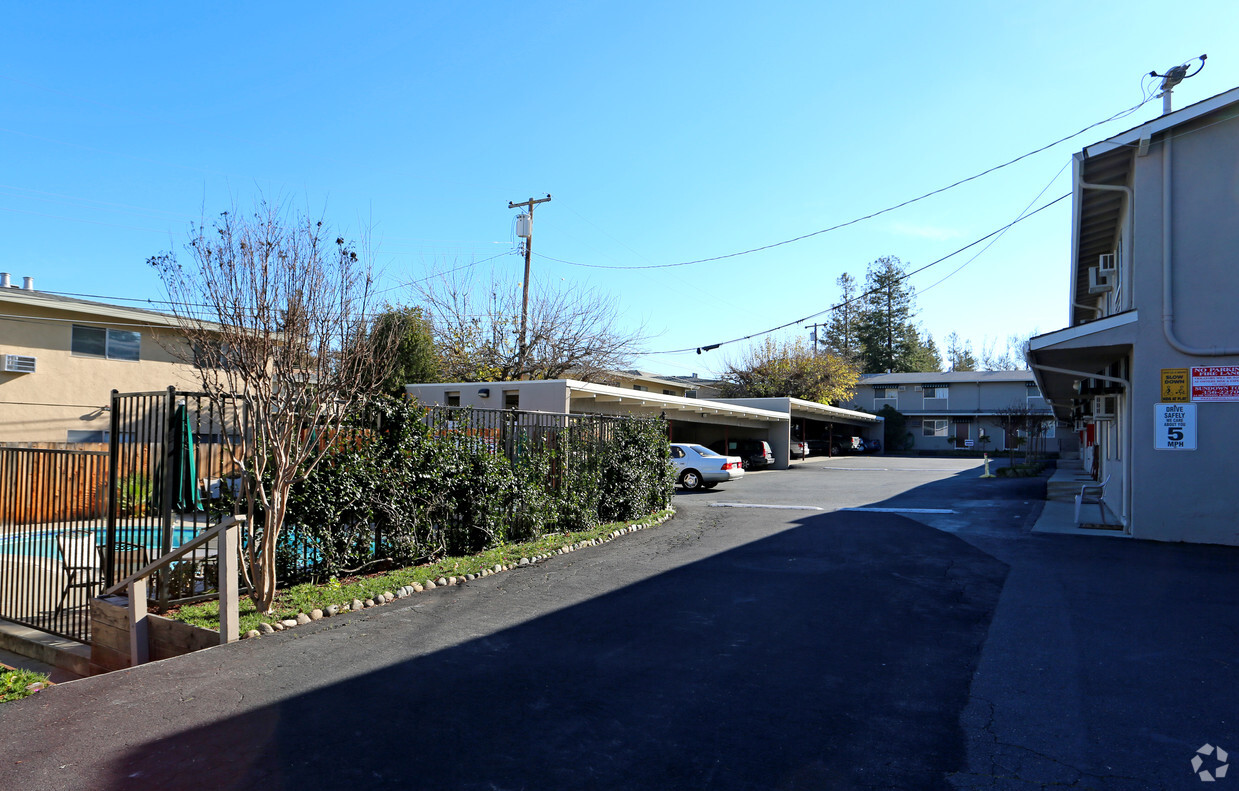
<point x="698" y="420"/>
<point x="809" y="420"/>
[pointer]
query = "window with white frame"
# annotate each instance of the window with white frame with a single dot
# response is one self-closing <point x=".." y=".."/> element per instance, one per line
<point x="884" y="396"/>
<point x="931" y="427"/>
<point x="101" y="342"/>
<point x="935" y="393"/>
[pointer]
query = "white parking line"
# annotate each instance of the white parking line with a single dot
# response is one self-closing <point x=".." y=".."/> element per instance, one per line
<point x="759" y="505"/>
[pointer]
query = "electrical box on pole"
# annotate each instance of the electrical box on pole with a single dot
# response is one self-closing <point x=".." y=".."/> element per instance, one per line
<point x="524" y="226"/>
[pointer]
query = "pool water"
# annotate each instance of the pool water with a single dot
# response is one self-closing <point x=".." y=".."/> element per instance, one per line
<point x="42" y="544"/>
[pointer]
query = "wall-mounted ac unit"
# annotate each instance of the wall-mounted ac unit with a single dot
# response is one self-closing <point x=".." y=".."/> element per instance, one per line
<point x="1105" y="407"/>
<point x="916" y="389"/>
<point x="904" y="388"/>
<point x="1099" y="282"/>
<point x="19" y="364"/>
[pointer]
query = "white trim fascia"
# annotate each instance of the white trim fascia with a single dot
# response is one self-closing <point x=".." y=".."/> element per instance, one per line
<point x="1162" y="123"/>
<point x="118" y="313"/>
<point x="1081" y="330"/>
<point x="660" y="401"/>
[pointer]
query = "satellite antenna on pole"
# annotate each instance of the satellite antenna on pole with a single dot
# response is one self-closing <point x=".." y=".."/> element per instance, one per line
<point x="1173" y="77"/>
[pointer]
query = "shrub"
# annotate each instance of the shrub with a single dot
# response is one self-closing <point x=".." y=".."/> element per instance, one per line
<point x="410" y="492"/>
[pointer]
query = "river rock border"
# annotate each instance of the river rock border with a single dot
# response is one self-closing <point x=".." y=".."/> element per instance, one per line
<point x="442" y="582"/>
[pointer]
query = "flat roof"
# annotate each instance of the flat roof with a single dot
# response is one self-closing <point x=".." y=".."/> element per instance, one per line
<point x="947" y="377"/>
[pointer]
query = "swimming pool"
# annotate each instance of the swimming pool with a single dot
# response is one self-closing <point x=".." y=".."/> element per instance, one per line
<point x="42" y="543"/>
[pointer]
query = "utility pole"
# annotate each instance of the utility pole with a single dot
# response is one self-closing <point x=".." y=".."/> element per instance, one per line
<point x="528" y="206"/>
<point x="817" y="339"/>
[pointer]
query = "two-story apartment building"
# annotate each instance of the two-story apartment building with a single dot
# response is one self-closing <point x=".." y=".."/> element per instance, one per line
<point x="957" y="409"/>
<point x="60" y="358"/>
<point x="1148" y="369"/>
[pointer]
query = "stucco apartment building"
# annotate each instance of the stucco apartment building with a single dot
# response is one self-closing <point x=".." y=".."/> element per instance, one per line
<point x="60" y="358"/>
<point x="1148" y="369"/>
<point x="956" y="409"/>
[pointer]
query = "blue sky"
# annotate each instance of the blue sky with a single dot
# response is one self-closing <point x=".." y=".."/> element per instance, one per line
<point x="666" y="132"/>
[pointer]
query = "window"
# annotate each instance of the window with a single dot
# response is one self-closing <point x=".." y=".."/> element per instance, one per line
<point x="668" y="392"/>
<point x="883" y="396"/>
<point x="934" y="391"/>
<point x="511" y="399"/>
<point x="677" y="452"/>
<point x="76" y="437"/>
<point x="453" y="398"/>
<point x="642" y="388"/>
<point x="100" y="342"/>
<point x="935" y="428"/>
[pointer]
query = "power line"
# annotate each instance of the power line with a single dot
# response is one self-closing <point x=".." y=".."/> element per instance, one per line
<point x="712" y="346"/>
<point x="870" y="216"/>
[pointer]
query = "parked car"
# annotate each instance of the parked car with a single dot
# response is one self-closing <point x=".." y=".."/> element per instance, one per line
<point x="698" y="467"/>
<point x="873" y="445"/>
<point x="753" y="453"/>
<point x="856" y="445"/>
<point x="798" y="449"/>
<point x="818" y="447"/>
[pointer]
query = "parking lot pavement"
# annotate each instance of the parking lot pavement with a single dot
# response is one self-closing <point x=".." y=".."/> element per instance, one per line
<point x="732" y="647"/>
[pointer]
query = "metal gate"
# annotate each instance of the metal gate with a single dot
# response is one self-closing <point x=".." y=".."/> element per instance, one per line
<point x="173" y="474"/>
<point x="74" y="522"/>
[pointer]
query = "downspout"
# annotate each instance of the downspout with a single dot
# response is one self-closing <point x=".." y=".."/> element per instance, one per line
<point x="1078" y="203"/>
<point x="1127" y="414"/>
<point x="1130" y="211"/>
<point x="1167" y="274"/>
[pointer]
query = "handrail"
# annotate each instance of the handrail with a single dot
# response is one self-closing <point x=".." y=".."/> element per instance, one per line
<point x="229" y="611"/>
<point x="175" y="554"/>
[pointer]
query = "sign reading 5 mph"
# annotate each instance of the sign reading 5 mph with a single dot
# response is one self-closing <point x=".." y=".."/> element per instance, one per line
<point x="1174" y="427"/>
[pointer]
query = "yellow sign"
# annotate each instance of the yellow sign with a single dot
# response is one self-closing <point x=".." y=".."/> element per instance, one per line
<point x="1175" y="386"/>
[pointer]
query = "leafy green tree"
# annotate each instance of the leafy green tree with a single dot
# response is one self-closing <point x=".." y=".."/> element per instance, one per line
<point x="776" y="369"/>
<point x="415" y="358"/>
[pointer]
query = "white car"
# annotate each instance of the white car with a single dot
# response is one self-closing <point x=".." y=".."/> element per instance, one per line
<point x="798" y="449"/>
<point x="698" y="467"/>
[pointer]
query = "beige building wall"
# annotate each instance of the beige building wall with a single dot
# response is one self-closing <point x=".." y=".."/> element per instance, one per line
<point x="68" y="391"/>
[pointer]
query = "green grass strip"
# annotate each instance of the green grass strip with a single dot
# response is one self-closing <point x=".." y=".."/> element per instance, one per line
<point x="17" y="684"/>
<point x="306" y="597"/>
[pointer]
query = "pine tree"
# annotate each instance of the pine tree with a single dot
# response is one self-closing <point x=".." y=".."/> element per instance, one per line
<point x="885" y="333"/>
<point x="959" y="354"/>
<point x="840" y="336"/>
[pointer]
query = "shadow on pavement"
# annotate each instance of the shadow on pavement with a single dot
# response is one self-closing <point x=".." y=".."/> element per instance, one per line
<point x="837" y="654"/>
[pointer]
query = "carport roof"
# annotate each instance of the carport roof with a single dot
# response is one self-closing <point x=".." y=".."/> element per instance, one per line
<point x="795" y="407"/>
<point x="645" y="400"/>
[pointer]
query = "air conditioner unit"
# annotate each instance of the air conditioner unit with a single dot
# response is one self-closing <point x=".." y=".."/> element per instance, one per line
<point x="916" y="389"/>
<point x="1099" y="281"/>
<point x="1107" y="263"/>
<point x="1104" y="407"/>
<point x="903" y="388"/>
<point x="19" y="364"/>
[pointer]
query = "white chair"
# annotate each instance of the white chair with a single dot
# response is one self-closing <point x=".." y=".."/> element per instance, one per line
<point x="80" y="560"/>
<point x="1093" y="494"/>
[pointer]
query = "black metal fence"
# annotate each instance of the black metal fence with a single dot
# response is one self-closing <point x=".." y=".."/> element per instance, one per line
<point x="52" y="508"/>
<point x="173" y="475"/>
<point x="75" y="522"/>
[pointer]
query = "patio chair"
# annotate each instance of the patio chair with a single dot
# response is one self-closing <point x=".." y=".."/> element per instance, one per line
<point x="79" y="557"/>
<point x="1093" y="494"/>
<point x="129" y="558"/>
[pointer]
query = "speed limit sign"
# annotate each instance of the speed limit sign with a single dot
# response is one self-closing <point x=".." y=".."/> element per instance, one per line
<point x="1174" y="427"/>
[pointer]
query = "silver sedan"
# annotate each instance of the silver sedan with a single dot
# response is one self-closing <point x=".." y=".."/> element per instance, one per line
<point x="698" y="467"/>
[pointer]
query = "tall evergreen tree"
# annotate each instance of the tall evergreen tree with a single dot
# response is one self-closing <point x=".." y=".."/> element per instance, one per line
<point x="959" y="354"/>
<point x="885" y="333"/>
<point x="841" y="337"/>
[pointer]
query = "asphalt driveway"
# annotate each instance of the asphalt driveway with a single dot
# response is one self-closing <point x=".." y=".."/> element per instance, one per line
<point x="933" y="643"/>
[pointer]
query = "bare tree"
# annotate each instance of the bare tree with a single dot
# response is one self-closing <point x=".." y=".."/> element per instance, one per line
<point x="1013" y="358"/>
<point x="274" y="310"/>
<point x="570" y="330"/>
